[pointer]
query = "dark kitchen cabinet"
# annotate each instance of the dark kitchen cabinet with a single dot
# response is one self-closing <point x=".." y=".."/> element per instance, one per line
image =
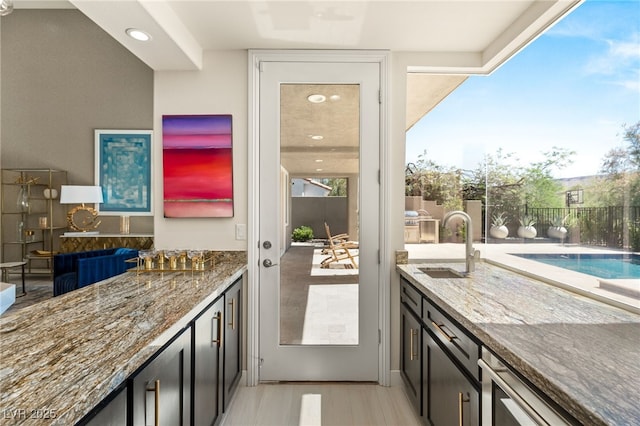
<point x="113" y="413"/>
<point x="161" y="390"/>
<point x="438" y="362"/>
<point x="410" y="364"/>
<point x="451" y="398"/>
<point x="232" y="340"/>
<point x="208" y="335"/>
<point x="190" y="380"/>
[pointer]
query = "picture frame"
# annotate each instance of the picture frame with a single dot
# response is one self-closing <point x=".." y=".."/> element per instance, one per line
<point x="197" y="166"/>
<point x="123" y="169"/>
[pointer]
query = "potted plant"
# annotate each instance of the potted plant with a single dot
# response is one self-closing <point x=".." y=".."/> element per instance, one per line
<point x="498" y="228"/>
<point x="557" y="228"/>
<point x="302" y="234"/>
<point x="526" y="229"/>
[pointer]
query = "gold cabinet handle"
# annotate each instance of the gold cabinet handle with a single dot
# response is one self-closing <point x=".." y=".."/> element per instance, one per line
<point x="156" y="408"/>
<point x="441" y="330"/>
<point x="218" y="318"/>
<point x="412" y="354"/>
<point x="461" y="401"/>
<point x="232" y="321"/>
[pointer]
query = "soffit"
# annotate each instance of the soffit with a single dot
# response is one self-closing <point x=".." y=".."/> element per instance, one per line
<point x="461" y="36"/>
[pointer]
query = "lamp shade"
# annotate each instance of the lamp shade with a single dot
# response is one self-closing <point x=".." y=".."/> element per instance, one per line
<point x="77" y="194"/>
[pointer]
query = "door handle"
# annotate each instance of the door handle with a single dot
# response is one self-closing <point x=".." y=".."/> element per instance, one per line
<point x="268" y="264"/>
<point x="461" y="401"/>
<point x="413" y="355"/>
<point x="156" y="400"/>
<point x="218" y="319"/>
<point x="232" y="322"/>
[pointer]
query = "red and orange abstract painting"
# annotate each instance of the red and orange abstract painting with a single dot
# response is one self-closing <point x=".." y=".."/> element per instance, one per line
<point x="197" y="164"/>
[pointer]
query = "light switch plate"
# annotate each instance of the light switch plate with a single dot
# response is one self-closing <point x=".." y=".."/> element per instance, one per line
<point x="241" y="231"/>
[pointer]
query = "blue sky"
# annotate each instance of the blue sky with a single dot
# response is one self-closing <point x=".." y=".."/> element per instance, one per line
<point x="575" y="86"/>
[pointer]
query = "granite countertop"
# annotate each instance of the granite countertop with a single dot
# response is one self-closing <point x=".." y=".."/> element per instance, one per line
<point x="583" y="353"/>
<point x="59" y="358"/>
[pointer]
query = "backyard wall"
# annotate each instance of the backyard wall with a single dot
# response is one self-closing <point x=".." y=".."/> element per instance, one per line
<point x="315" y="211"/>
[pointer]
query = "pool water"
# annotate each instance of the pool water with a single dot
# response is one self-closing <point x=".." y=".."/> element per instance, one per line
<point x="612" y="266"/>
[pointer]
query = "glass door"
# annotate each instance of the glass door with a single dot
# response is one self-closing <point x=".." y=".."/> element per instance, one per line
<point x="319" y="198"/>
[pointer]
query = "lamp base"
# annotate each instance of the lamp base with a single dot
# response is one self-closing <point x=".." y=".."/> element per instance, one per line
<point x="82" y="218"/>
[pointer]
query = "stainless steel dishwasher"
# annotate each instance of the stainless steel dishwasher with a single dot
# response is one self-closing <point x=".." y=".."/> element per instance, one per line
<point x="509" y="401"/>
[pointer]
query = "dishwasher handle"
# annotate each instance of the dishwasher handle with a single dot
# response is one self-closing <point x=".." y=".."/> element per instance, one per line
<point x="522" y="403"/>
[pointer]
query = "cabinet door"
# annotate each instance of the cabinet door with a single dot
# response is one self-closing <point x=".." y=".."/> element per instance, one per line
<point x="232" y="341"/>
<point x="452" y="399"/>
<point x="410" y="356"/>
<point x="207" y="358"/>
<point x="161" y="391"/>
<point x="112" y="414"/>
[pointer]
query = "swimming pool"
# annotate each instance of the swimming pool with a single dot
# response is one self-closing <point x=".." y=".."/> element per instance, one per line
<point x="605" y="265"/>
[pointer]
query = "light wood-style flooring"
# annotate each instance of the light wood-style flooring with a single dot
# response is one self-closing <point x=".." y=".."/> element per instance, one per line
<point x="326" y="404"/>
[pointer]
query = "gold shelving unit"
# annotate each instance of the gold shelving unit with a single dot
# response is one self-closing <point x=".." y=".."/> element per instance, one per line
<point x="32" y="218"/>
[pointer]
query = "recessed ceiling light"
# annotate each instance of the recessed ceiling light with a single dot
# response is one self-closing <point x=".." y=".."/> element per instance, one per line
<point x="319" y="161"/>
<point x="334" y="98"/>
<point x="319" y="170"/>
<point x="317" y="137"/>
<point x="138" y="34"/>
<point x="316" y="98"/>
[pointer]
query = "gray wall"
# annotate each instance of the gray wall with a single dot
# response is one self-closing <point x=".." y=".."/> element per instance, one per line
<point x="315" y="211"/>
<point x="63" y="77"/>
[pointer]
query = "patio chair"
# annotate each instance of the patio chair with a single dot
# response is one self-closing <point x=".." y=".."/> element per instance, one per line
<point x="339" y="249"/>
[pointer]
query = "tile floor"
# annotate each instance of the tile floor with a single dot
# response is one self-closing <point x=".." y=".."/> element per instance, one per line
<point x="315" y="404"/>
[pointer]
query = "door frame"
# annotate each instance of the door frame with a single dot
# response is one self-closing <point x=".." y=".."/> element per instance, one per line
<point x="255" y="57"/>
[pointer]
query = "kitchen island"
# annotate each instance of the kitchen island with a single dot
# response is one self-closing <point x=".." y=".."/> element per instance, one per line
<point x="60" y="358"/>
<point x="581" y="353"/>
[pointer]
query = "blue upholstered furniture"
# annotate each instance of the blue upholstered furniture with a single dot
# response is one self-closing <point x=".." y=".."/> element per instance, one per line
<point x="72" y="271"/>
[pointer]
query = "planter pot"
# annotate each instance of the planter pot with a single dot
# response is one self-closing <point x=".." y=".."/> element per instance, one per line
<point x="527" y="232"/>
<point x="498" y="232"/>
<point x="559" y="232"/>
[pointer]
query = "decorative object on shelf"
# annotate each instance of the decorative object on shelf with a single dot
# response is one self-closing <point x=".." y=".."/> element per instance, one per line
<point x="22" y="202"/>
<point x="526" y="229"/>
<point x="123" y="170"/>
<point x="197" y="165"/>
<point x="6" y="7"/>
<point x="20" y="231"/>
<point x="124" y="225"/>
<point x="29" y="236"/>
<point x="179" y="261"/>
<point x="81" y="218"/>
<point x="498" y="228"/>
<point x="43" y="222"/>
<point x="50" y="193"/>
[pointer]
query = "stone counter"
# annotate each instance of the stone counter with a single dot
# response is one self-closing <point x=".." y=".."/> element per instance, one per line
<point x="61" y="357"/>
<point x="584" y="354"/>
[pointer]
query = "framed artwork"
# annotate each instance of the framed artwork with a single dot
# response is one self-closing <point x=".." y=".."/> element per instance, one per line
<point x="123" y="170"/>
<point x="197" y="162"/>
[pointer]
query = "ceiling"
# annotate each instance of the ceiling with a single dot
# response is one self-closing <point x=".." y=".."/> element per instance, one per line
<point x="462" y="36"/>
<point x="442" y="42"/>
<point x="320" y="139"/>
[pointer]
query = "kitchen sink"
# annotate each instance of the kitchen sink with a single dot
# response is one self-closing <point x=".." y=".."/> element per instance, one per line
<point x="440" y="272"/>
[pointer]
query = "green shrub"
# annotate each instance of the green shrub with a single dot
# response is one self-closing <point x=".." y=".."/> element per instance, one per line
<point x="302" y="233"/>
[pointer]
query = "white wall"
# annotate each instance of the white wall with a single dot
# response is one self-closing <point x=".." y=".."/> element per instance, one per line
<point x="220" y="88"/>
